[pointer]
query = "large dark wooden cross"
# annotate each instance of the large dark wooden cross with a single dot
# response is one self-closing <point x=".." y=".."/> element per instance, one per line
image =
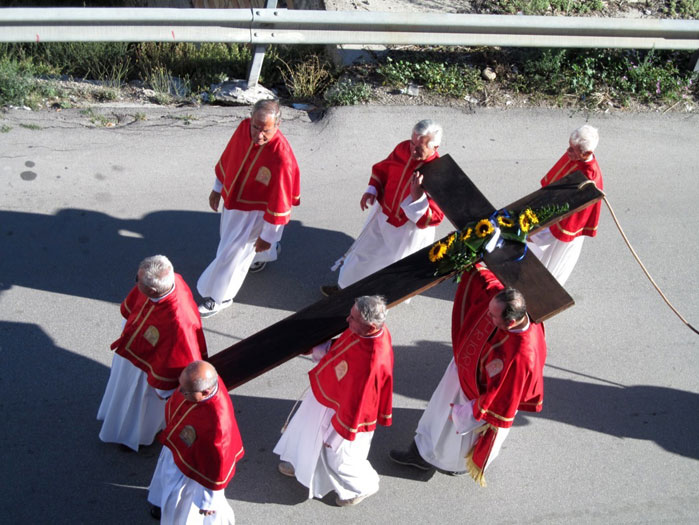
<point x="462" y="203"/>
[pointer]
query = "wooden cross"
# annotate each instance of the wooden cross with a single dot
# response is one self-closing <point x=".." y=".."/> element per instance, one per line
<point x="462" y="203"/>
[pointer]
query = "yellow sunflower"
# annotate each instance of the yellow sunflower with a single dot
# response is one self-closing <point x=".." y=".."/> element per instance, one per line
<point x="467" y="234"/>
<point x="531" y="216"/>
<point x="451" y="239"/>
<point x="505" y="222"/>
<point x="524" y="223"/>
<point x="437" y="251"/>
<point x="484" y="228"/>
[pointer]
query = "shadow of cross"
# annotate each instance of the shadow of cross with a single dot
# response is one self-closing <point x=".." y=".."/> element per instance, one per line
<point x="462" y="203"/>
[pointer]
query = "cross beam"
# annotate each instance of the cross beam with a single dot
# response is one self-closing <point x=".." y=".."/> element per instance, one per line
<point x="410" y="276"/>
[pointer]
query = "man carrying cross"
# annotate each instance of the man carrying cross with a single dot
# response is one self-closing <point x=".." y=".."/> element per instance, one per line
<point x="403" y="217"/>
<point x="327" y="442"/>
<point x="497" y="370"/>
<point x="559" y="246"/>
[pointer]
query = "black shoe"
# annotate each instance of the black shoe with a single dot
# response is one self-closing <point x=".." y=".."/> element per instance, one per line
<point x="410" y="457"/>
<point x="257" y="267"/>
<point x="210" y="307"/>
<point x="329" y="289"/>
<point x="155" y="512"/>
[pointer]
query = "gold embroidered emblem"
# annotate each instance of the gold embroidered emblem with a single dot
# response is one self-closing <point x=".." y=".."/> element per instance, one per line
<point x="341" y="370"/>
<point x="494" y="367"/>
<point x="152" y="335"/>
<point x="188" y="435"/>
<point x="263" y="175"/>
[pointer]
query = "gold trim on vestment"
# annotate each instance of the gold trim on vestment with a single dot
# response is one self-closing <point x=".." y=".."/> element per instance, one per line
<point x="190" y="467"/>
<point x="240" y="168"/>
<point x="278" y="214"/>
<point x="247" y="176"/>
<point x="584" y="228"/>
<point x="559" y="174"/>
<point x="127" y="348"/>
<point x="337" y="403"/>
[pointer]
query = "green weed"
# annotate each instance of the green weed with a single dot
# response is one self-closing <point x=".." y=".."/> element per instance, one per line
<point x="347" y="93"/>
<point x="457" y="80"/>
<point x="306" y="79"/>
<point x="30" y="126"/>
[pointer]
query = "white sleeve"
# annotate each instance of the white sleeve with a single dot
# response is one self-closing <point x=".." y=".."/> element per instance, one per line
<point x="462" y="416"/>
<point x="203" y="498"/>
<point x="332" y="438"/>
<point x="272" y="232"/>
<point x="320" y="350"/>
<point x="414" y="210"/>
<point x="164" y="394"/>
<point x="218" y="185"/>
<point x="372" y="190"/>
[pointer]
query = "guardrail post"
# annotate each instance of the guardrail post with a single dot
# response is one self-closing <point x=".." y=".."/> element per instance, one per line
<point x="258" y="55"/>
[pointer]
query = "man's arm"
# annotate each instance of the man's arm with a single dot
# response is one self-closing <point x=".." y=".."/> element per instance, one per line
<point x="368" y="198"/>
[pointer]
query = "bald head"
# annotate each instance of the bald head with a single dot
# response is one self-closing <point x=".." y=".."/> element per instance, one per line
<point x="198" y="380"/>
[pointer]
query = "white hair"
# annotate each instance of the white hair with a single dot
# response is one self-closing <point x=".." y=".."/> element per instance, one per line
<point x="158" y="273"/>
<point x="269" y="107"/>
<point x="585" y="137"/>
<point x="372" y="308"/>
<point x="429" y="128"/>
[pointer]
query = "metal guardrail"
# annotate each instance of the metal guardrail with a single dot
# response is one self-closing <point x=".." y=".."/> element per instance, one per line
<point x="281" y="26"/>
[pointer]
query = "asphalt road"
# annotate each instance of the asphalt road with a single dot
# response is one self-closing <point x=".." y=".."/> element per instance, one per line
<point x="81" y="205"/>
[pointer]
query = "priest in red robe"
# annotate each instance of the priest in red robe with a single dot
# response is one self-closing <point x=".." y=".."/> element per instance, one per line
<point x="258" y="180"/>
<point x="497" y="370"/>
<point x="202" y="447"/>
<point x="403" y="217"/>
<point x="326" y="444"/>
<point x="162" y="334"/>
<point x="558" y="247"/>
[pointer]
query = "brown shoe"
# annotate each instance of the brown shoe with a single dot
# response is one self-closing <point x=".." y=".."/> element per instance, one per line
<point x="329" y="289"/>
<point x="287" y="469"/>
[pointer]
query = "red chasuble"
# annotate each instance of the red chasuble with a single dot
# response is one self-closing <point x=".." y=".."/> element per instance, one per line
<point x="391" y="178"/>
<point x="259" y="178"/>
<point x="355" y="378"/>
<point x="501" y="370"/>
<point x="585" y="221"/>
<point x="161" y="338"/>
<point x="203" y="437"/>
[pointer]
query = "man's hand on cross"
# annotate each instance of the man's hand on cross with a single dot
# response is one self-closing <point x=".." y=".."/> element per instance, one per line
<point x="416" y="190"/>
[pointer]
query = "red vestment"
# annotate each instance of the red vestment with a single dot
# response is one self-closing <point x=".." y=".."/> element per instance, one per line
<point x="585" y="221"/>
<point x="391" y="178"/>
<point x="501" y="371"/>
<point x="203" y="437"/>
<point x="355" y="378"/>
<point x="259" y="178"/>
<point x="161" y="338"/>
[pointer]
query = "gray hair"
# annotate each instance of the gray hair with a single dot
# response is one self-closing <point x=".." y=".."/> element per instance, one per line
<point x="372" y="308"/>
<point x="429" y="128"/>
<point x="515" y="307"/>
<point x="158" y="273"/>
<point x="268" y="107"/>
<point x="585" y="137"/>
<point x="201" y="376"/>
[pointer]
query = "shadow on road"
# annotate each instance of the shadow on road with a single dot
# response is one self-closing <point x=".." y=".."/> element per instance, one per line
<point x="90" y="254"/>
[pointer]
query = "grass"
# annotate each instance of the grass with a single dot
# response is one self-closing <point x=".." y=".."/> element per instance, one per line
<point x="585" y="77"/>
<point x="98" y="119"/>
<point x="186" y="119"/>
<point x="34" y="127"/>
<point x="5" y="128"/>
